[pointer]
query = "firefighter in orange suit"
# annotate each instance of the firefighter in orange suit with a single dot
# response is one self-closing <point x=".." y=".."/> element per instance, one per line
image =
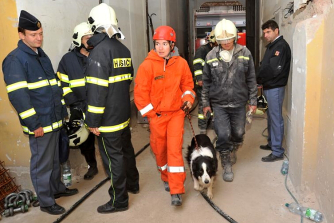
<point x="163" y="89"/>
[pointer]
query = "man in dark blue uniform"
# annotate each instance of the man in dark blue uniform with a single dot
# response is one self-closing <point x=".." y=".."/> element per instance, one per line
<point x="71" y="72"/>
<point x="34" y="93"/>
<point x="273" y="75"/>
<point x="109" y="75"/>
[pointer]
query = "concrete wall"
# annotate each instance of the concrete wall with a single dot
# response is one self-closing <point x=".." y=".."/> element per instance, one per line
<point x="308" y="107"/>
<point x="58" y="19"/>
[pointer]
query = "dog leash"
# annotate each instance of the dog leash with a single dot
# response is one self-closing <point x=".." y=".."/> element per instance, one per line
<point x="192" y="129"/>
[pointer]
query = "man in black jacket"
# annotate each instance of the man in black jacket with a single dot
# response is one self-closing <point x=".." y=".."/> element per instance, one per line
<point x="273" y="75"/>
<point x="71" y="72"/>
<point x="199" y="61"/>
<point x="109" y="75"/>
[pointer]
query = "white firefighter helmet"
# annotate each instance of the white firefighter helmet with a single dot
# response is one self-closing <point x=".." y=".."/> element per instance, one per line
<point x="225" y="31"/>
<point x="77" y="131"/>
<point x="83" y="29"/>
<point x="211" y="37"/>
<point x="102" y="18"/>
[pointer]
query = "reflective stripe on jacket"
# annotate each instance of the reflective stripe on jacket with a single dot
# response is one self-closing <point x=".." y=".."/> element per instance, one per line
<point x="33" y="89"/>
<point x="199" y="60"/>
<point x="109" y="75"/>
<point x="160" y="87"/>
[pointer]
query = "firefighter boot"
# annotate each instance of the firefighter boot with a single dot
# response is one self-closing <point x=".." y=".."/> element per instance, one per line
<point x="234" y="154"/>
<point x="227" y="166"/>
<point x="92" y="171"/>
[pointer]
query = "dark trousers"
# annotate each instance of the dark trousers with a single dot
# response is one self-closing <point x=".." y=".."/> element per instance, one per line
<point x="88" y="150"/>
<point x="275" y="99"/>
<point x="229" y="126"/>
<point x="119" y="162"/>
<point x="45" y="167"/>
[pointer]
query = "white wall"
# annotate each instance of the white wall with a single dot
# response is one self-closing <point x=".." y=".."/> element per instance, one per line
<point x="59" y="17"/>
<point x="58" y="20"/>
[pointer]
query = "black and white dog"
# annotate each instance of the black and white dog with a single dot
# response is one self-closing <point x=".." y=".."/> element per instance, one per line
<point x="203" y="163"/>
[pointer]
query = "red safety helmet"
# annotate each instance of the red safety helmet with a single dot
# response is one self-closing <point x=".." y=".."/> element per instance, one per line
<point x="164" y="33"/>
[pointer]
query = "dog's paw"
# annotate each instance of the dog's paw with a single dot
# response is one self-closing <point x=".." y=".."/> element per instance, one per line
<point x="210" y="195"/>
<point x="197" y="187"/>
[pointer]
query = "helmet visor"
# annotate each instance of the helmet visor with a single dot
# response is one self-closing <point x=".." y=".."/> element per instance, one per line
<point x="111" y="30"/>
<point x="226" y="41"/>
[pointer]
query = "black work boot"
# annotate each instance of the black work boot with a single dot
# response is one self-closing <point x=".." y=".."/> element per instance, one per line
<point x="227" y="165"/>
<point x="92" y="171"/>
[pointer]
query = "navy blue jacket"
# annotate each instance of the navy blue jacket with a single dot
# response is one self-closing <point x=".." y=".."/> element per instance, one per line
<point x="71" y="72"/>
<point x="275" y="66"/>
<point x="33" y="89"/>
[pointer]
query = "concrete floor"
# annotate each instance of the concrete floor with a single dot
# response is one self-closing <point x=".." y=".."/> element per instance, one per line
<point x="257" y="194"/>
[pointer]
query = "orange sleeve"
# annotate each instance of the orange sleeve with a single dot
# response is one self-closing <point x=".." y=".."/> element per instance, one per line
<point x="142" y="91"/>
<point x="187" y="85"/>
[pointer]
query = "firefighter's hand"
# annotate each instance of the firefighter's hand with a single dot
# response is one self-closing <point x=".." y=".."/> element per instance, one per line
<point x="252" y="108"/>
<point x="95" y="131"/>
<point x="200" y="83"/>
<point x="206" y="110"/>
<point x="186" y="106"/>
<point x="39" y="132"/>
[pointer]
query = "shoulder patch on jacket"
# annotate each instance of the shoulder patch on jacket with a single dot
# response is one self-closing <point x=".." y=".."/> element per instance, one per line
<point x="277" y="53"/>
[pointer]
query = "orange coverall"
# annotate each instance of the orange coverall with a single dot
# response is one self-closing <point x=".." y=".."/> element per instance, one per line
<point x="160" y="91"/>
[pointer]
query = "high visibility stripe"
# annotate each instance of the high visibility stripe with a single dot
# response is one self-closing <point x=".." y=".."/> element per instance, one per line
<point x="28" y="113"/>
<point x="162" y="168"/>
<point x="201" y="116"/>
<point x="118" y="78"/>
<point x="111" y="176"/>
<point x="114" y="128"/>
<point x="209" y="61"/>
<point x="53" y="82"/>
<point x="242" y="57"/>
<point x="96" y="110"/>
<point x="66" y="90"/>
<point x="188" y="92"/>
<point x="59" y="83"/>
<point x="62" y="101"/>
<point x="38" y="84"/>
<point x="198" y="72"/>
<point x="175" y="169"/>
<point x="77" y="83"/>
<point x="199" y="60"/>
<point x="63" y="77"/>
<point x="148" y="108"/>
<point x="46" y="129"/>
<point x="97" y="81"/>
<point x="16" y="86"/>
